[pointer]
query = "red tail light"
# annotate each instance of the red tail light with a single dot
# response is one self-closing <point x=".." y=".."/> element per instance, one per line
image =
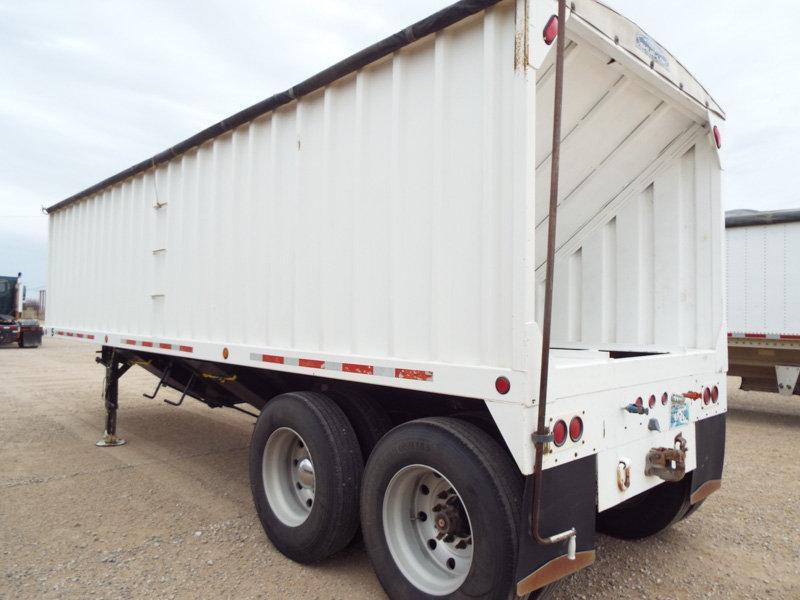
<point x="575" y="429"/>
<point x="715" y="394"/>
<point x="706" y="396"/>
<point x="664" y="398"/>
<point x="502" y="385"/>
<point x="559" y="433"/>
<point x="651" y="402"/>
<point x="550" y="32"/>
<point x="639" y="402"/>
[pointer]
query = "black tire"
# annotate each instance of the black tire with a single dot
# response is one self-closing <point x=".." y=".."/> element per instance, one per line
<point x="486" y="480"/>
<point x="338" y="466"/>
<point x="648" y="513"/>
<point x="370" y="422"/>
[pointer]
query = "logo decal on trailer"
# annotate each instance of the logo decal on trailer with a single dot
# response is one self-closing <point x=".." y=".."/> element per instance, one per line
<point x="649" y="46"/>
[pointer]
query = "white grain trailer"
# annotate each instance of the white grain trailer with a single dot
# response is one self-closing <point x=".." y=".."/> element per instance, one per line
<point x="764" y="299"/>
<point x="363" y="259"/>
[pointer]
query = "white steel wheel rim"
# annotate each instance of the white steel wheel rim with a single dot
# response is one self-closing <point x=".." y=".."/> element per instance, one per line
<point x="288" y="476"/>
<point x="436" y="561"/>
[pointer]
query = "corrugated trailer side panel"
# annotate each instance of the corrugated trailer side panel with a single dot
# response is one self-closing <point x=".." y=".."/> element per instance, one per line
<point x="763" y="278"/>
<point x="373" y="217"/>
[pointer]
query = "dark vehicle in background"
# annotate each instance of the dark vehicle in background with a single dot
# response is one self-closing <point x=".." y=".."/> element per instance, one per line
<point x="26" y="333"/>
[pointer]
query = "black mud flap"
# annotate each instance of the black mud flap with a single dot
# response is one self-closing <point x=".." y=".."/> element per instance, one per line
<point x="710" y="441"/>
<point x="569" y="500"/>
<point x="31" y="339"/>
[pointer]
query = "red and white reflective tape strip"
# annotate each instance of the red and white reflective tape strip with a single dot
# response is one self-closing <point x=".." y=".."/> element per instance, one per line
<point x="763" y="336"/>
<point x="344" y="367"/>
<point x="308" y="363"/>
<point x="88" y="336"/>
<point x="159" y="345"/>
<point x="8" y="327"/>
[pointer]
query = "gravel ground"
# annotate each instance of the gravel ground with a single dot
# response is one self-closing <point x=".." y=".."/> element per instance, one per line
<point x="170" y="514"/>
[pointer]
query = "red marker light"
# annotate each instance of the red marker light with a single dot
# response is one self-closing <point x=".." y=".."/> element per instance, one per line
<point x="550" y="32"/>
<point x="639" y="402"/>
<point x="559" y="433"/>
<point x="664" y="398"/>
<point x="715" y="394"/>
<point x="717" y="137"/>
<point x="651" y="402"/>
<point x="502" y="385"/>
<point x="575" y="429"/>
<point x="706" y="396"/>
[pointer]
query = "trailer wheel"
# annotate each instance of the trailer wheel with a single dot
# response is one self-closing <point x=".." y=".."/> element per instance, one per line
<point x="305" y="472"/>
<point x="648" y="513"/>
<point x="370" y="422"/>
<point x="438" y="512"/>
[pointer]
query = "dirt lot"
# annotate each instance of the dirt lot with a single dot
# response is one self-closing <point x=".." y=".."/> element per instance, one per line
<point x="170" y="515"/>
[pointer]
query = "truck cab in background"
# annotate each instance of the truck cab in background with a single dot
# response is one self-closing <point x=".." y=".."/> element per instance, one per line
<point x="26" y="333"/>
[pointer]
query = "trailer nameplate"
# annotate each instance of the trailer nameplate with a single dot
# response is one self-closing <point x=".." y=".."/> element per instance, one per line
<point x="649" y="46"/>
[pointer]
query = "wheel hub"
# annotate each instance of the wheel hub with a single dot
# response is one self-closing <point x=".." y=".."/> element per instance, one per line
<point x="305" y="472"/>
<point x="450" y="520"/>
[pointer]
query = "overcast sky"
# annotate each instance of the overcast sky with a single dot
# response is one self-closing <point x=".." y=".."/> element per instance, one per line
<point x="89" y="88"/>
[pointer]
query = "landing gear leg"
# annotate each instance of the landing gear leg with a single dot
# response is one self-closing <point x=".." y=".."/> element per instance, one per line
<point x="114" y="370"/>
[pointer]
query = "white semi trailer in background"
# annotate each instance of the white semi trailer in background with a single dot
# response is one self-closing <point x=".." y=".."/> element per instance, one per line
<point x="387" y="223"/>
<point x="764" y="299"/>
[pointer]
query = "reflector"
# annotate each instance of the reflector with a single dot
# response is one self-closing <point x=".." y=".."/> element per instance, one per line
<point x="559" y="433"/>
<point x="575" y="429"/>
<point x="502" y="385"/>
<point x="550" y="32"/>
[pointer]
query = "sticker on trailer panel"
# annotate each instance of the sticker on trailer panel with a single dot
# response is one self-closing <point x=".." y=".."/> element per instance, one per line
<point x="679" y="415"/>
<point x="649" y="46"/>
